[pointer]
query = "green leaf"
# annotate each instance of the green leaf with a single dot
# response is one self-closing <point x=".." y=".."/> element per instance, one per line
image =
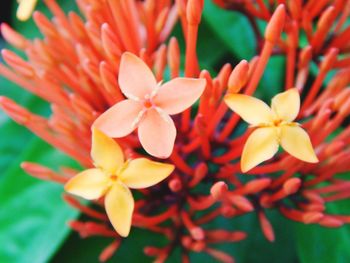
<point x="258" y="249"/>
<point x="272" y="81"/>
<point x="255" y="248"/>
<point x="324" y="245"/>
<point x="31" y="231"/>
<point x="233" y="32"/>
<point x="33" y="216"/>
<point x="130" y="250"/>
<point x="232" y="28"/>
<point x="16" y="136"/>
<point x="209" y="56"/>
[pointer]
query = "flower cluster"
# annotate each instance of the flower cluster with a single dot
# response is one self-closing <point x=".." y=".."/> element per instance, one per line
<point x="109" y="85"/>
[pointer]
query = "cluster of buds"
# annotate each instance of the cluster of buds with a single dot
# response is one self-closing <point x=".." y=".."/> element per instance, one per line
<point x="85" y="83"/>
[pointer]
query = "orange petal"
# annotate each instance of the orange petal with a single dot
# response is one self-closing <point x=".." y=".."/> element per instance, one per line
<point x="142" y="173"/>
<point x="251" y="110"/>
<point x="135" y="77"/>
<point x="157" y="134"/>
<point x="106" y="153"/>
<point x="89" y="184"/>
<point x="261" y="145"/>
<point x="179" y="94"/>
<point x="119" y="205"/>
<point x="297" y="142"/>
<point x="286" y="105"/>
<point x="119" y="120"/>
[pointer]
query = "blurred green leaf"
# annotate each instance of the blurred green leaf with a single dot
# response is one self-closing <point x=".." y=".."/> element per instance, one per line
<point x="130" y="250"/>
<point x="324" y="245"/>
<point x="33" y="216"/>
<point x="255" y="248"/>
<point x="209" y="55"/>
<point x="16" y="136"/>
<point x="233" y="32"/>
<point x="272" y="81"/>
<point x="232" y="28"/>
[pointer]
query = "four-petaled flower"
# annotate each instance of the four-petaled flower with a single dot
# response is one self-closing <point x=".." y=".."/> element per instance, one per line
<point x="25" y="9"/>
<point x="113" y="177"/>
<point x="148" y="106"/>
<point x="275" y="127"/>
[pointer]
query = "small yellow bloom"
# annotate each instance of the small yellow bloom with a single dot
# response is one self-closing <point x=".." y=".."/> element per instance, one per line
<point x="275" y="127"/>
<point x="113" y="177"/>
<point x="25" y="9"/>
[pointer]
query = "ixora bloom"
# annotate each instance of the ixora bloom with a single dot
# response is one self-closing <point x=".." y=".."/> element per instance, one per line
<point x="148" y="106"/>
<point x="25" y="9"/>
<point x="275" y="127"/>
<point x="113" y="177"/>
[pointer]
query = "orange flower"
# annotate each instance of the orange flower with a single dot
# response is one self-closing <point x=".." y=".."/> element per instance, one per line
<point x="148" y="106"/>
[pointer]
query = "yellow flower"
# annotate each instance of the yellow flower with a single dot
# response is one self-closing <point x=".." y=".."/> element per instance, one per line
<point x="113" y="177"/>
<point x="25" y="9"/>
<point x="275" y="127"/>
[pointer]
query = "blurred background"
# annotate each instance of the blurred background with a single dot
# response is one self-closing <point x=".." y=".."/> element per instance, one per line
<point x="33" y="216"/>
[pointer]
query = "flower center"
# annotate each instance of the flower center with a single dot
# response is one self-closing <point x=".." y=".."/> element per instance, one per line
<point x="113" y="178"/>
<point x="277" y="122"/>
<point x="147" y="103"/>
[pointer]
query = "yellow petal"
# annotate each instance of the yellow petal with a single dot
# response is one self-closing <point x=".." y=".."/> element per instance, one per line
<point x="25" y="9"/>
<point x="89" y="184"/>
<point x="119" y="205"/>
<point x="252" y="110"/>
<point x="142" y="173"/>
<point x="105" y="152"/>
<point x="296" y="142"/>
<point x="286" y="105"/>
<point x="261" y="145"/>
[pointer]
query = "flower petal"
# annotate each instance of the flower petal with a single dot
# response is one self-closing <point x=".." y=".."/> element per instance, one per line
<point x="105" y="152"/>
<point x="119" y="205"/>
<point x="179" y="94"/>
<point x="25" y="9"/>
<point x="89" y="184"/>
<point x="286" y="105"/>
<point x="142" y="173"/>
<point x="261" y="145"/>
<point x="252" y="110"/>
<point x="135" y="77"/>
<point x="296" y="142"/>
<point x="119" y="120"/>
<point x="157" y="134"/>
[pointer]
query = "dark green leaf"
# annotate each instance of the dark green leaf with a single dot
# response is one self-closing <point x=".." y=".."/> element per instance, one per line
<point x="33" y="216"/>
<point x="232" y="28"/>
<point x="324" y="245"/>
<point x="88" y="250"/>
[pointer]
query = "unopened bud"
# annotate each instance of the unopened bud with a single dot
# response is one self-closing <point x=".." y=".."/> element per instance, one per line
<point x="305" y="57"/>
<point x="275" y="26"/>
<point x="238" y="77"/>
<point x="194" y="11"/>
<point x="218" y="190"/>
<point x="175" y="185"/>
<point x="291" y="186"/>
<point x="329" y="59"/>
<point x="312" y="217"/>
